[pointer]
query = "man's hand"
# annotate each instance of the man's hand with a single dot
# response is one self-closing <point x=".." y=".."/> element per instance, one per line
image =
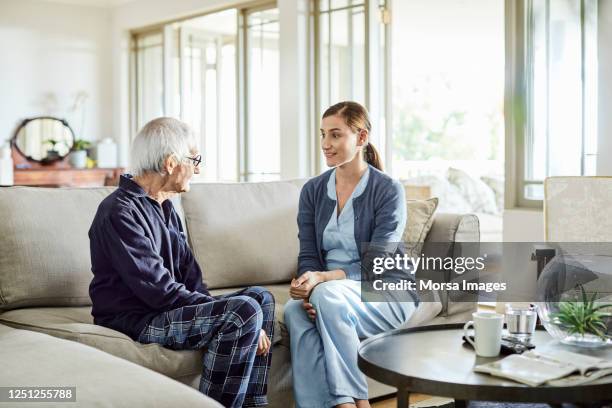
<point x="310" y="310"/>
<point x="304" y="284"/>
<point x="264" y="343"/>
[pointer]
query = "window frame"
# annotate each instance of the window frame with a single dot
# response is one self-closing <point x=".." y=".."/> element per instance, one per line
<point x="134" y="94"/>
<point x="519" y="89"/>
<point x="242" y="71"/>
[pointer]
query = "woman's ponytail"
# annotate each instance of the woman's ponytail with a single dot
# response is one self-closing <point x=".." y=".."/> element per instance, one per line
<point x="373" y="157"/>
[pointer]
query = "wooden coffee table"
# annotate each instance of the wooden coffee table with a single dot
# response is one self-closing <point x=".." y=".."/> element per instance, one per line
<point x="433" y="360"/>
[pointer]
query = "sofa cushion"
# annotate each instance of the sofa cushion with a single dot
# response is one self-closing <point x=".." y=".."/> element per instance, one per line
<point x="35" y="359"/>
<point x="76" y="323"/>
<point x="243" y="234"/>
<point x="446" y="231"/>
<point x="420" y="219"/>
<point x="451" y="228"/>
<point x="44" y="249"/>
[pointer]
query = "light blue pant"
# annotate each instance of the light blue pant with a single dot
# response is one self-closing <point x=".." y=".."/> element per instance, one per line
<point x="324" y="354"/>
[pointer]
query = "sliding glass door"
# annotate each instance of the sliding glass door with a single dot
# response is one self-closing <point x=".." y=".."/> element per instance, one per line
<point x="192" y="70"/>
<point x="208" y="47"/>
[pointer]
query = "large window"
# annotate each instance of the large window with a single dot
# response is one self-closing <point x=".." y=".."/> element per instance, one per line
<point x="448" y="87"/>
<point x="560" y="79"/>
<point x="191" y="70"/>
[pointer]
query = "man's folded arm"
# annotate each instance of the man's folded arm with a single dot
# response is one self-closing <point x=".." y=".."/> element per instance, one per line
<point x="141" y="268"/>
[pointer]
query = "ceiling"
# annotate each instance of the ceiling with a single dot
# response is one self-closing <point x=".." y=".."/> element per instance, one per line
<point x="92" y="3"/>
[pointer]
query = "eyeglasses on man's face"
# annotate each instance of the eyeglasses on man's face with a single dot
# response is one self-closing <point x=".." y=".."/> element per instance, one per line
<point x="195" y="159"/>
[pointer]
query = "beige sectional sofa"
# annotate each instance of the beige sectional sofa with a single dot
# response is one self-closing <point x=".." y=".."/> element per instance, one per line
<point x="29" y="358"/>
<point x="241" y="234"/>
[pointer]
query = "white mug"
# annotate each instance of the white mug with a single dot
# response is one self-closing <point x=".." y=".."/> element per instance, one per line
<point x="487" y="333"/>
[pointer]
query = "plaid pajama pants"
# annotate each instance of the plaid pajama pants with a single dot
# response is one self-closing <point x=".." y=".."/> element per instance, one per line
<point x="229" y="328"/>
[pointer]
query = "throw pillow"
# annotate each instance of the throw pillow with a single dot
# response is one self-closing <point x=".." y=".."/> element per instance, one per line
<point x="450" y="199"/>
<point x="477" y="193"/>
<point x="420" y="219"/>
<point x="497" y="185"/>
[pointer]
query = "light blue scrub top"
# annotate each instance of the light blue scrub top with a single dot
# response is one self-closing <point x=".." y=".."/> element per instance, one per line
<point x="339" y="235"/>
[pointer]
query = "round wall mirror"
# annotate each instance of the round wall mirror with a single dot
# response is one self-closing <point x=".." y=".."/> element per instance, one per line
<point x="44" y="139"/>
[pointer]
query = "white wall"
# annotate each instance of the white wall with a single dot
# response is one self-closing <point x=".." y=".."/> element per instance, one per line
<point x="296" y="131"/>
<point x="49" y="53"/>
<point x="142" y="13"/>
<point x="523" y="225"/>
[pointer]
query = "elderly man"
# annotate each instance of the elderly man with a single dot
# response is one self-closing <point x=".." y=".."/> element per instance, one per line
<point x="148" y="285"/>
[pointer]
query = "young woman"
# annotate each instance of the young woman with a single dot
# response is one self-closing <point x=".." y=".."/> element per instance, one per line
<point x="351" y="204"/>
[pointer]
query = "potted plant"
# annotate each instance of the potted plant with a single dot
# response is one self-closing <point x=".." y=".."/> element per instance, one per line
<point x="78" y="156"/>
<point x="52" y="154"/>
<point x="583" y="321"/>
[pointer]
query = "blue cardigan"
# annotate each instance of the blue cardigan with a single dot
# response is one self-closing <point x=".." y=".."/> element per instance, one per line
<point x="380" y="217"/>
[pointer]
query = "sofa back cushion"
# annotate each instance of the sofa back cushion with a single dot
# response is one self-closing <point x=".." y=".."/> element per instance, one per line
<point x="243" y="233"/>
<point x="44" y="247"/>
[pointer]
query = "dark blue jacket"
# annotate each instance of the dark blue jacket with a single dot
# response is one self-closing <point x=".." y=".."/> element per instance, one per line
<point x="140" y="260"/>
<point x="380" y="219"/>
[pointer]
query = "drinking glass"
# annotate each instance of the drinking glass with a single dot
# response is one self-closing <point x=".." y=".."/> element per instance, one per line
<point x="521" y="321"/>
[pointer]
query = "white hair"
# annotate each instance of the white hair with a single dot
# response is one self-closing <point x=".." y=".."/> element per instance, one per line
<point x="158" y="139"/>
